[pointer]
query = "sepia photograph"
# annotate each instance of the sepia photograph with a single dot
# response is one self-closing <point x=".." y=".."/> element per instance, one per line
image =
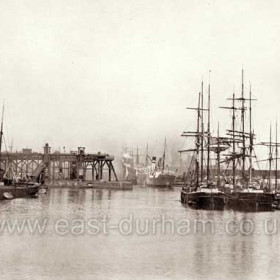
<point x="139" y="139"/>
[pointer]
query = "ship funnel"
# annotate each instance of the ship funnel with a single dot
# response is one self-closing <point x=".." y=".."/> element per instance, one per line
<point x="154" y="159"/>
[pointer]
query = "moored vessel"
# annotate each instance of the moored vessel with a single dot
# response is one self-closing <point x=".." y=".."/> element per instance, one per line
<point x="245" y="192"/>
<point x="200" y="192"/>
<point x="158" y="175"/>
<point x="203" y="198"/>
<point x="11" y="186"/>
<point x="159" y="179"/>
<point x="251" y="200"/>
<point x="18" y="190"/>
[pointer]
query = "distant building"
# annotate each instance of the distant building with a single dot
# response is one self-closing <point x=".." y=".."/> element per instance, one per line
<point x="27" y="151"/>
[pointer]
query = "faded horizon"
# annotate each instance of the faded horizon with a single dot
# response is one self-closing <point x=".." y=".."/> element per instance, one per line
<point x="105" y="75"/>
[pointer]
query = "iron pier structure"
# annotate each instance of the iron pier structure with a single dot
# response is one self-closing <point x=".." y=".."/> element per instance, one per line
<point x="76" y="165"/>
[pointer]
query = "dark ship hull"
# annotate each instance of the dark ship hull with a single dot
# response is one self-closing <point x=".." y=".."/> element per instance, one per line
<point x="250" y="201"/>
<point x="203" y="200"/>
<point x="162" y="180"/>
<point x="18" y="191"/>
<point x="276" y="201"/>
<point x="141" y="179"/>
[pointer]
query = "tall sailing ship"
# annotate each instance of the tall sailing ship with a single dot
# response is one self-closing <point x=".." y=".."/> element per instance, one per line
<point x="231" y="184"/>
<point x="134" y="170"/>
<point x="244" y="192"/>
<point x="201" y="191"/>
<point x="273" y="158"/>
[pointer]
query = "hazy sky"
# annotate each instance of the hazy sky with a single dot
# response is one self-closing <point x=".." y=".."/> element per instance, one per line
<point x="104" y="74"/>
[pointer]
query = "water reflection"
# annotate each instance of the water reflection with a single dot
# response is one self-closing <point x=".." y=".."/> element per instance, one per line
<point x="210" y="254"/>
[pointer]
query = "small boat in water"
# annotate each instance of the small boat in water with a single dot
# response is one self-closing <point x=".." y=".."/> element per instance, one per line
<point x="12" y="187"/>
<point x="21" y="190"/>
<point x="7" y="195"/>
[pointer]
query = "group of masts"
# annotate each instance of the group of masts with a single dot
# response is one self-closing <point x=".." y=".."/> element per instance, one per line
<point x="272" y="156"/>
<point x="200" y="136"/>
<point x="239" y="137"/>
<point x="240" y="142"/>
<point x="135" y="158"/>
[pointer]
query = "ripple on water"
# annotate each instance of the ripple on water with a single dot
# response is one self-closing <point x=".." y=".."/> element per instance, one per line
<point x="159" y="254"/>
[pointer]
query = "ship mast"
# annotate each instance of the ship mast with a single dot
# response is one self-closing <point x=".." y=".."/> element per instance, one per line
<point x="198" y="137"/>
<point x="276" y="158"/>
<point x="208" y="135"/>
<point x="218" y="158"/>
<point x="202" y="134"/>
<point x="132" y="157"/>
<point x="251" y="136"/>
<point x="271" y="145"/>
<point x="270" y="160"/>
<point x="163" y="157"/>
<point x="147" y="157"/>
<point x="243" y="127"/>
<point x="232" y="134"/>
<point x="1" y="133"/>
<point x="198" y="142"/>
<point x="137" y="156"/>
<point x="233" y="142"/>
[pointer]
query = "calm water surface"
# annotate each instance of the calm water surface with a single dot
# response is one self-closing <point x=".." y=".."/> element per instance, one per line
<point x="147" y="234"/>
